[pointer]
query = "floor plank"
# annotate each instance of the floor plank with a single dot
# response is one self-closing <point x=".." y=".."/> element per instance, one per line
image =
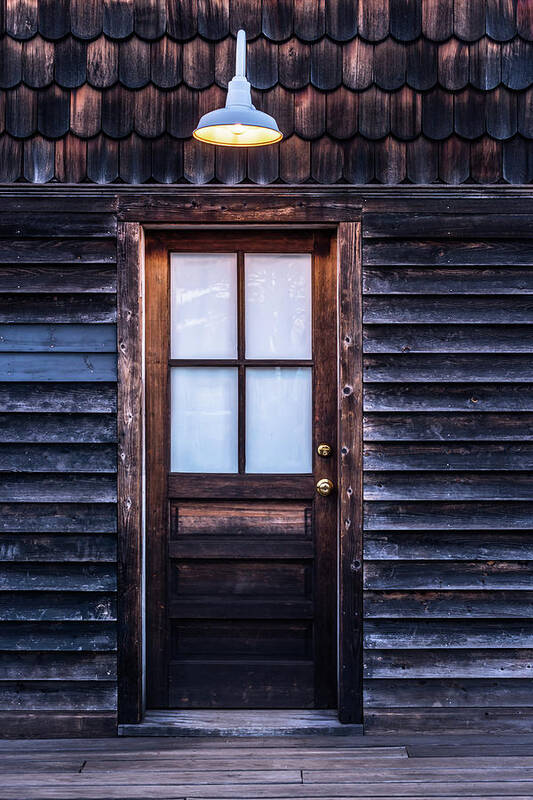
<point x="300" y="768"/>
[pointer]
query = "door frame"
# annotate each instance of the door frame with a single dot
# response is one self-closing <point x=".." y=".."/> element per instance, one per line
<point x="254" y="208"/>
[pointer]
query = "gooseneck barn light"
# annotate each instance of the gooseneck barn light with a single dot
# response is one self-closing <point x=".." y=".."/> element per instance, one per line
<point x="239" y="124"/>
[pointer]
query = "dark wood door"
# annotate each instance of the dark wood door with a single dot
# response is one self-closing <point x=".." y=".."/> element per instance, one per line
<point x="241" y="549"/>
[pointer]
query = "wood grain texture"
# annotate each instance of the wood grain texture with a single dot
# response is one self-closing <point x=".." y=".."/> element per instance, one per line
<point x="350" y="471"/>
<point x="130" y="276"/>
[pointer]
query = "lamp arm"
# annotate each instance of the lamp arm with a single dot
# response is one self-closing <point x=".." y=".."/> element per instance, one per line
<point x="240" y="60"/>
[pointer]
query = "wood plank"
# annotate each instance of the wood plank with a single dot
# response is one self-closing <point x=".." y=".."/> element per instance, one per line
<point x="57" y="577"/>
<point x="448" y="574"/>
<point x="57" y="606"/>
<point x="327" y="758"/>
<point x="442" y="280"/>
<point x="448" y="427"/>
<point x="56" y="366"/>
<point x="238" y="208"/>
<point x="468" y="663"/>
<point x="61" y="308"/>
<point x="244" y="791"/>
<point x="448" y="368"/>
<point x="65" y="279"/>
<point x="434" y="544"/>
<point x="58" y="696"/>
<point x="42" y="724"/>
<point x="453" y="634"/>
<point x="350" y="446"/>
<point x="230" y="608"/>
<point x="28" y="225"/>
<point x="453" y="516"/>
<point x="445" y="720"/>
<point x="249" y="487"/>
<point x="261" y="684"/>
<point x="391" y="224"/>
<point x="58" y="202"/>
<point x="442" y="252"/>
<point x="449" y="397"/>
<point x="58" y="636"/>
<point x="243" y="548"/>
<point x="450" y="456"/>
<point x="58" y="338"/>
<point x="70" y="665"/>
<point x="157" y="467"/>
<point x="130" y="482"/>
<point x="59" y="488"/>
<point x="398" y="485"/>
<point x="440" y="604"/>
<point x="58" y="547"/>
<point x="58" y="457"/>
<point x="442" y="309"/>
<point x="57" y="397"/>
<point x="447" y="338"/>
<point x="57" y="251"/>
<point x="58" y="428"/>
<point x="58" y="518"/>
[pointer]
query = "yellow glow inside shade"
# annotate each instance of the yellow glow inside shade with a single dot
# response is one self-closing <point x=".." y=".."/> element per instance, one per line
<point x="237" y="135"/>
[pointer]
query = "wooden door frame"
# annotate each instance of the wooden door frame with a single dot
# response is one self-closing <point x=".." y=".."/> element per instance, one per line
<point x="193" y="210"/>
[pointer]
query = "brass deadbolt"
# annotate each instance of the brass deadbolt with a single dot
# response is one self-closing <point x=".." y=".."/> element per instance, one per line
<point x="324" y="450"/>
<point x="324" y="487"/>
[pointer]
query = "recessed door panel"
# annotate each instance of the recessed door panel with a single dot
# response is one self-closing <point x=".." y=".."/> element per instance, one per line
<point x="241" y="549"/>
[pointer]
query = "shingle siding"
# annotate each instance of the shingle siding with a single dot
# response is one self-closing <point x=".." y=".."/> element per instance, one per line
<point x="430" y="91"/>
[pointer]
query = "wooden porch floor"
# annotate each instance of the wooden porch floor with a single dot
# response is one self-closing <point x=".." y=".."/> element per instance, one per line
<point x="312" y="767"/>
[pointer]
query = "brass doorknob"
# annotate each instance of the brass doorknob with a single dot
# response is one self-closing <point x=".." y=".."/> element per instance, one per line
<point x="324" y="487"/>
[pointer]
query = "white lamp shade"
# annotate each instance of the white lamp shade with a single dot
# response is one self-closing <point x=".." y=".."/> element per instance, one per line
<point x="239" y="123"/>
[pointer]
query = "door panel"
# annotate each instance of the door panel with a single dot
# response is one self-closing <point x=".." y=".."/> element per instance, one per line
<point x="241" y="390"/>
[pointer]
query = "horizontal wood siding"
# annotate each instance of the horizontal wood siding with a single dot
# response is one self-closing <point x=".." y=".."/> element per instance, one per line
<point x="448" y="486"/>
<point x="58" y="474"/>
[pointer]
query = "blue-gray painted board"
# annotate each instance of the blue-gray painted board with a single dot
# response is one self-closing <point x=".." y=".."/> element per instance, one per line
<point x="58" y="338"/>
<point x="58" y="367"/>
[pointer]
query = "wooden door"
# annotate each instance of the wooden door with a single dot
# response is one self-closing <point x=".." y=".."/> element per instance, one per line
<point x="241" y="361"/>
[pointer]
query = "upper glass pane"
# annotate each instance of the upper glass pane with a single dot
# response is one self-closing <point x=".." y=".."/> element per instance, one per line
<point x="203" y="419"/>
<point x="278" y="305"/>
<point x="203" y="307"/>
<point x="278" y="419"/>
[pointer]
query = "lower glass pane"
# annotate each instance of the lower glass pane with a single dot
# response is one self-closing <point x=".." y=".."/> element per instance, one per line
<point x="278" y="419"/>
<point x="204" y="419"/>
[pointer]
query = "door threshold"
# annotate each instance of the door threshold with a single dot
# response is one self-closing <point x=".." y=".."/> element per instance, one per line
<point x="240" y="723"/>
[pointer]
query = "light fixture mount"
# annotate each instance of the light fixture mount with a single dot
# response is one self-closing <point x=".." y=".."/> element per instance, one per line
<point x="239" y="123"/>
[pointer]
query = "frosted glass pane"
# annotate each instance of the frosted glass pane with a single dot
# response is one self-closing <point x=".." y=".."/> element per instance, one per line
<point x="203" y="308"/>
<point x="278" y="305"/>
<point x="204" y="419"/>
<point x="278" y="419"/>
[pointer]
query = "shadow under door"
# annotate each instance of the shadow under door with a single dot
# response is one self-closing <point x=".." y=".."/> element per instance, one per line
<point x="241" y="360"/>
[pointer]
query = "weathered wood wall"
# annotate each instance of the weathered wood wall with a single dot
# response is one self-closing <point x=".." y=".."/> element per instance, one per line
<point x="58" y="461"/>
<point x="448" y="455"/>
<point x="448" y="336"/>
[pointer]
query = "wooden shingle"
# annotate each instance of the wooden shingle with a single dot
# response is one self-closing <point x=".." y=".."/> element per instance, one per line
<point x="405" y="19"/>
<point x="419" y="71"/>
<point x="86" y="19"/>
<point x="469" y="19"/>
<point x="117" y="18"/>
<point x="341" y="19"/>
<point x="70" y="62"/>
<point x="21" y="18"/>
